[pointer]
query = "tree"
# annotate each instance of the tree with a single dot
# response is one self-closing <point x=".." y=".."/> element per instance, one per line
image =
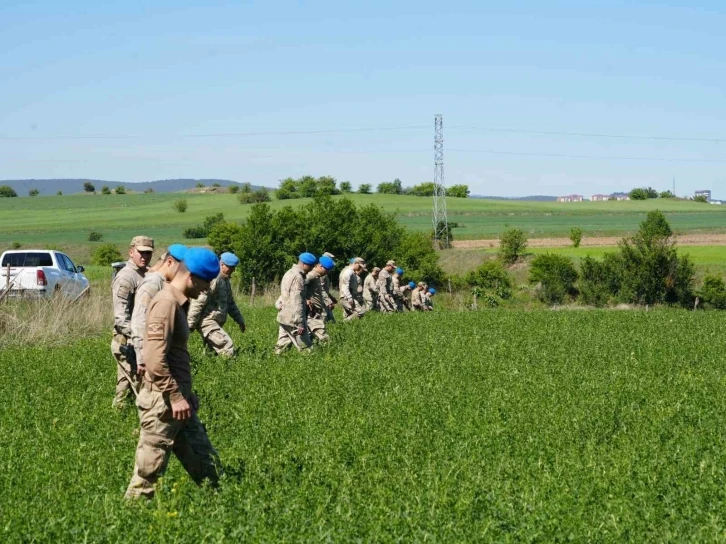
<point x="232" y="189"/>
<point x="423" y="189"/>
<point x="120" y="190"/>
<point x="89" y="187"/>
<point x="216" y="185"/>
<point x="512" y="244"/>
<point x="576" y="236"/>
<point x="555" y="275"/>
<point x="492" y="277"/>
<point x="638" y="194"/>
<point x="326" y="185"/>
<point x="364" y="188"/>
<point x="149" y="191"/>
<point x="105" y="190"/>
<point x="286" y="190"/>
<point x="307" y="187"/>
<point x="346" y="187"/>
<point x="458" y="191"/>
<point x="59" y="193"/>
<point x="390" y="187"/>
<point x="180" y="205"/>
<point x="33" y="192"/>
<point x="7" y="192"/>
<point x="106" y="254"/>
<point x="700" y="198"/>
<point x="199" y="185"/>
<point x="666" y="194"/>
<point x="713" y="292"/>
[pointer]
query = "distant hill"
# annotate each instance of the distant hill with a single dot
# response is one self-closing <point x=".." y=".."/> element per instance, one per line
<point x="70" y="186"/>
<point x="534" y="198"/>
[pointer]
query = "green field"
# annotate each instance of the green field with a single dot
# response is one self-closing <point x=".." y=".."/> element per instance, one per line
<point x="481" y="426"/>
<point x="67" y="220"/>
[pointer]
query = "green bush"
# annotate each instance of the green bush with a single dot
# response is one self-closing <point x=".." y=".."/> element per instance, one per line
<point x="180" y="205"/>
<point x="599" y="280"/>
<point x="364" y="189"/>
<point x="95" y="236"/>
<point x="556" y="276"/>
<point x="713" y="292"/>
<point x="394" y="187"/>
<point x="260" y="195"/>
<point x="346" y="187"/>
<point x="576" y="236"/>
<point x="203" y="230"/>
<point x="492" y="277"/>
<point x="120" y="190"/>
<point x="306" y="187"/>
<point x="512" y="244"/>
<point x="106" y="254"/>
<point x="33" y="192"/>
<point x="700" y="198"/>
<point x="199" y="185"/>
<point x="7" y="191"/>
<point x="16" y="245"/>
<point x="458" y="191"/>
<point x="149" y="191"/>
<point x="88" y="187"/>
<point x="233" y="189"/>
<point x="59" y="193"/>
<point x="105" y="190"/>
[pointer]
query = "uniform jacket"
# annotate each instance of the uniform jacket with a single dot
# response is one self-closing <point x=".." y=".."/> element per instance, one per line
<point x="370" y="289"/>
<point x="123" y="290"/>
<point x="348" y="283"/>
<point x="211" y="308"/>
<point x="147" y="290"/>
<point x="315" y="292"/>
<point x="396" y="286"/>
<point x="384" y="282"/>
<point x="416" y="301"/>
<point x="292" y="300"/>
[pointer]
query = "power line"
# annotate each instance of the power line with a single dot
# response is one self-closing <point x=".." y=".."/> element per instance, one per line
<point x="593" y="157"/>
<point x="212" y="135"/>
<point x="589" y="134"/>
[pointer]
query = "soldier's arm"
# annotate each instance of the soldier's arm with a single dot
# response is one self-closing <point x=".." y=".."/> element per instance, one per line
<point x="345" y="286"/>
<point x="195" y="310"/>
<point x="122" y="296"/>
<point x="234" y="311"/>
<point x="297" y="302"/>
<point x="138" y="322"/>
<point x="157" y="343"/>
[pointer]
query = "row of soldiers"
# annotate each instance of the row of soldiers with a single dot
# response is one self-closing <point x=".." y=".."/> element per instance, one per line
<point x="189" y="289"/>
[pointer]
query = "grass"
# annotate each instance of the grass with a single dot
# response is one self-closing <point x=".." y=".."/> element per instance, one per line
<point x="481" y="426"/>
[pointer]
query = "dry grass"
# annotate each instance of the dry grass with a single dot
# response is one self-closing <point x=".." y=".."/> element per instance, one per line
<point x="56" y="321"/>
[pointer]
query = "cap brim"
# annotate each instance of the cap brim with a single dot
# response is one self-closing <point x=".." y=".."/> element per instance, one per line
<point x="144" y="248"/>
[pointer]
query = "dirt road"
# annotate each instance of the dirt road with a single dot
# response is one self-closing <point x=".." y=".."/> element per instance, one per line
<point x="684" y="240"/>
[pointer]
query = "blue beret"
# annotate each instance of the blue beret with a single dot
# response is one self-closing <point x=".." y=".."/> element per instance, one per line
<point x="177" y="251"/>
<point x="230" y="259"/>
<point x="432" y="291"/>
<point x="308" y="258"/>
<point x="352" y="260"/>
<point x="399" y="271"/>
<point x="202" y="262"/>
<point x="412" y="285"/>
<point x="327" y="262"/>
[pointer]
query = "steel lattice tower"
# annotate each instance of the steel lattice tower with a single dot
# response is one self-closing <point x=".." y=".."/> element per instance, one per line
<point x="440" y="220"/>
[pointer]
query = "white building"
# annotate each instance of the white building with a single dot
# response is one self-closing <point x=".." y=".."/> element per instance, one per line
<point x="570" y="198"/>
<point x="706" y="193"/>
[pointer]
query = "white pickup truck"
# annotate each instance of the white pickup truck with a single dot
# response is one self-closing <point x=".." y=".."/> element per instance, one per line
<point x="40" y="273"/>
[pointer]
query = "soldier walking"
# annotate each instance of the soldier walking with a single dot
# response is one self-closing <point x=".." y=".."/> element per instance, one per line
<point x="330" y="300"/>
<point x="370" y="290"/>
<point x="208" y="313"/>
<point x="167" y="406"/>
<point x="348" y="286"/>
<point x="292" y="310"/>
<point x="123" y="290"/>
<point x="386" y="303"/>
<point x="416" y="300"/>
<point x="154" y="280"/>
<point x="428" y="302"/>
<point x="315" y="297"/>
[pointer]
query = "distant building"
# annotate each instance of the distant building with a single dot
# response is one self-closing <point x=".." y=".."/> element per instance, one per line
<point x="570" y="198"/>
<point x="620" y="196"/>
<point x="600" y="198"/>
<point x="706" y="193"/>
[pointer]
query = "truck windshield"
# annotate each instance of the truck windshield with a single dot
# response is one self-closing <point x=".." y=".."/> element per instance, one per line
<point x="27" y="259"/>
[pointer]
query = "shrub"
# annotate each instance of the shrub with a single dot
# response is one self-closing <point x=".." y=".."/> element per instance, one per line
<point x="199" y="185"/>
<point x="713" y="292"/>
<point x="490" y="277"/>
<point x="512" y="244"/>
<point x="458" y="191"/>
<point x="7" y="192"/>
<point x="95" y="236"/>
<point x="216" y="185"/>
<point x="364" y="189"/>
<point x="33" y="192"/>
<point x="666" y="194"/>
<point x="106" y="254"/>
<point x="59" y="193"/>
<point x="89" y="187"/>
<point x="180" y="205"/>
<point x="346" y="187"/>
<point x="203" y="230"/>
<point x="194" y="232"/>
<point x="233" y="189"/>
<point x="260" y="195"/>
<point x="149" y="191"/>
<point x="105" y="190"/>
<point x="556" y="276"/>
<point x="394" y="187"/>
<point x="599" y="280"/>
<point x="700" y="198"/>
<point x="422" y="189"/>
<point x="16" y="245"/>
<point x="120" y="190"/>
<point x="576" y="236"/>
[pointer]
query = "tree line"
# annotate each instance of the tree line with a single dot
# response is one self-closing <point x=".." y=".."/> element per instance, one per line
<point x="310" y="187"/>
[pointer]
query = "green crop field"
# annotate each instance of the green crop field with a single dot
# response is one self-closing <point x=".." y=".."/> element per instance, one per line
<point x="484" y="426"/>
<point x="67" y="220"/>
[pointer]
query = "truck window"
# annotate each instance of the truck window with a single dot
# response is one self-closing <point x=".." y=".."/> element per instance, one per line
<point x="27" y="258"/>
<point x="67" y="263"/>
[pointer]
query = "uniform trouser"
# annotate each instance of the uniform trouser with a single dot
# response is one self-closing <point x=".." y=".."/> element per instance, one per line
<point x="316" y="326"/>
<point x="288" y="336"/>
<point x="217" y="338"/>
<point x="161" y="435"/>
<point x="370" y="305"/>
<point x="123" y="387"/>
<point x="385" y="305"/>
<point x="329" y="316"/>
<point x="352" y="309"/>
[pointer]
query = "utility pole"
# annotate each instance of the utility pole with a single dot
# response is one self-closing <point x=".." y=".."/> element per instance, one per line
<point x="440" y="219"/>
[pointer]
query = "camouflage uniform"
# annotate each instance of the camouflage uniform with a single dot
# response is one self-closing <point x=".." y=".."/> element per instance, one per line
<point x="386" y="303"/>
<point x="168" y="380"/>
<point x="208" y="314"/>
<point x="428" y="302"/>
<point x="348" y="285"/>
<point x="397" y="291"/>
<point x="292" y="313"/>
<point x="315" y="295"/>
<point x="123" y="289"/>
<point x="416" y="301"/>
<point x="147" y="290"/>
<point x="370" y="293"/>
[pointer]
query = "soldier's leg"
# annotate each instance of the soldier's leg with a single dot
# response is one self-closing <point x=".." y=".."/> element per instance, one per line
<point x="158" y="432"/>
<point x="283" y="340"/>
<point x="195" y="452"/>
<point x="361" y="307"/>
<point x="317" y="328"/>
<point x="122" y="383"/>
<point x="221" y="342"/>
<point x="349" y="310"/>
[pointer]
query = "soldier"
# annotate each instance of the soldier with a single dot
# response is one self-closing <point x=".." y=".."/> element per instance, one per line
<point x="208" y="313"/>
<point x="416" y="297"/>
<point x="428" y="302"/>
<point x="348" y="283"/>
<point x="292" y="310"/>
<point x="330" y="300"/>
<point x="386" y="303"/>
<point x="167" y="406"/>
<point x="123" y="290"/>
<point x="398" y="290"/>
<point x="370" y="290"/>
<point x="315" y="297"/>
<point x="407" y="299"/>
<point x="163" y="271"/>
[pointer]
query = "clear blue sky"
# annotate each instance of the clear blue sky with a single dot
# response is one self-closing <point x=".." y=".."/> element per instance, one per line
<point x="160" y="70"/>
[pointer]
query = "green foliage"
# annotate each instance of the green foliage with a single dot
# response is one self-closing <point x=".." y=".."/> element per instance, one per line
<point x="149" y="191"/>
<point x="89" y="187"/>
<point x="200" y="185"/>
<point x="180" y="205"/>
<point x="700" y="198"/>
<point x="7" y="192"/>
<point x="666" y="194"/>
<point x="713" y="292"/>
<point x="95" y="236"/>
<point x="216" y="185"/>
<point x="365" y="188"/>
<point x="105" y="254"/>
<point x="599" y="280"/>
<point x="203" y="230"/>
<point x="105" y="190"/>
<point x="346" y="187"/>
<point x="512" y="244"/>
<point x="576" y="236"/>
<point x="59" y="193"/>
<point x="306" y="187"/>
<point x="33" y="192"/>
<point x="16" y="245"/>
<point x="422" y="189"/>
<point x="260" y="195"/>
<point x="394" y="187"/>
<point x="120" y="190"/>
<point x="458" y="191"/>
<point x="416" y="257"/>
<point x="556" y="276"/>
<point x="232" y="189"/>
<point x="643" y="193"/>
<point x="490" y="277"/>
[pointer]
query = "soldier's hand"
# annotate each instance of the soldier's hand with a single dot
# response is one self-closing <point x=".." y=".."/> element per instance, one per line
<point x="181" y="410"/>
<point x="242" y="327"/>
<point x="140" y="370"/>
<point x="300" y="329"/>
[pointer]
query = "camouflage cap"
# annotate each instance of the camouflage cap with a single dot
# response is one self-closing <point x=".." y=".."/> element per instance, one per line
<point x="359" y="260"/>
<point x="391" y="263"/>
<point x="375" y="269"/>
<point x="142" y="243"/>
